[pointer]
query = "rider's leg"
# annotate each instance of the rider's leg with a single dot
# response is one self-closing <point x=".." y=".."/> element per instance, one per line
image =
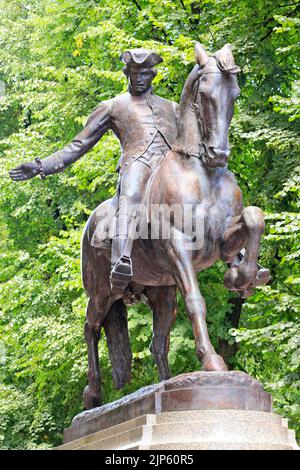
<point x="133" y="181"/>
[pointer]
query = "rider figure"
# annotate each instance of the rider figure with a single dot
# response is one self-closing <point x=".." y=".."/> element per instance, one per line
<point x="145" y="125"/>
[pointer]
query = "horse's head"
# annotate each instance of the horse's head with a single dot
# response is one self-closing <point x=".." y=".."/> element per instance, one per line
<point x="215" y="93"/>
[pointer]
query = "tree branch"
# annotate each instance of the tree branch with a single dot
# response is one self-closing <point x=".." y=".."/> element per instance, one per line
<point x="137" y="5"/>
<point x="270" y="31"/>
<point x="153" y="28"/>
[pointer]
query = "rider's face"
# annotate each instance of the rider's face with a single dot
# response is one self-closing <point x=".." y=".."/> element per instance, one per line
<point x="140" y="80"/>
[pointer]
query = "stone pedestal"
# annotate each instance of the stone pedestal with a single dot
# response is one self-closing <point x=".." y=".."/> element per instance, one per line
<point x="199" y="410"/>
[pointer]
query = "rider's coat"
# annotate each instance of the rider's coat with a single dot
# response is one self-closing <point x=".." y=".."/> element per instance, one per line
<point x="138" y="122"/>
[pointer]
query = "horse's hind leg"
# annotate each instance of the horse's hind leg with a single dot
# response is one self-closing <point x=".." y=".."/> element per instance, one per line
<point x="162" y="301"/>
<point x="95" y="315"/>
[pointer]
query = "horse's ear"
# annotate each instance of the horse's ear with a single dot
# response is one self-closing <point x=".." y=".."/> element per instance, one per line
<point x="225" y="57"/>
<point x="201" y="55"/>
<point x="226" y="52"/>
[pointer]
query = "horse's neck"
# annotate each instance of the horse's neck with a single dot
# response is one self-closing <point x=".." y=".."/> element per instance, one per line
<point x="188" y="135"/>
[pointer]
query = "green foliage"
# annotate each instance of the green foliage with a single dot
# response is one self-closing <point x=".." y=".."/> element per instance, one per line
<point x="59" y="59"/>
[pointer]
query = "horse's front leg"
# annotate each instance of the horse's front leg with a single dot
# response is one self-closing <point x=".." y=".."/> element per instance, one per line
<point x="185" y="278"/>
<point x="245" y="232"/>
<point x="234" y="239"/>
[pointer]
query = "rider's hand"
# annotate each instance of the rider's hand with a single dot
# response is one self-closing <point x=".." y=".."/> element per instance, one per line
<point x="24" y="171"/>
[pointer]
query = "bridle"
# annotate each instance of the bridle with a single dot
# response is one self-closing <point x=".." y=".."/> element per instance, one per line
<point x="203" y="153"/>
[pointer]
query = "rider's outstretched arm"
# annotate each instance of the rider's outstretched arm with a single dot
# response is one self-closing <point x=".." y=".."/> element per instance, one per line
<point x="97" y="124"/>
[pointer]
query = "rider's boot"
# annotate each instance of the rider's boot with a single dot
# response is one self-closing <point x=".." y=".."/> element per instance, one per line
<point x="121" y="272"/>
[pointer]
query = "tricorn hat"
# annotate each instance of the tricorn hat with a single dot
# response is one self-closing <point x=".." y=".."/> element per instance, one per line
<point x="142" y="58"/>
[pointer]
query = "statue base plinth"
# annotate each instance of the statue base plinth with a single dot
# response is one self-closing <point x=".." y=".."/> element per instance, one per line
<point x="199" y="410"/>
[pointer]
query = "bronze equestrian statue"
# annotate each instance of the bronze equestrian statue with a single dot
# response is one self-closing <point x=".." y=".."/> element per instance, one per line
<point x="192" y="173"/>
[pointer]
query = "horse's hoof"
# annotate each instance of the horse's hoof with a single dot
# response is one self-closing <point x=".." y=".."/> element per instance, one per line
<point x="90" y="399"/>
<point x="263" y="276"/>
<point x="247" y="272"/>
<point x="213" y="361"/>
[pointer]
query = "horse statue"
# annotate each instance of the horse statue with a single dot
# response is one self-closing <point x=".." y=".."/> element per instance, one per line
<point x="193" y="174"/>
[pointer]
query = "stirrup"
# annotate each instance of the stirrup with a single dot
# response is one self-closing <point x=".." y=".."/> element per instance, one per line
<point x="121" y="275"/>
<point x="122" y="269"/>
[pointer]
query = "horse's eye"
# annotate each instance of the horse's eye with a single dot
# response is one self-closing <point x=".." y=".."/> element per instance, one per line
<point x="205" y="91"/>
<point x="202" y="91"/>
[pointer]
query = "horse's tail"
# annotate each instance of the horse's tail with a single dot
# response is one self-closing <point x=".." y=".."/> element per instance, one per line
<point x="117" y="337"/>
